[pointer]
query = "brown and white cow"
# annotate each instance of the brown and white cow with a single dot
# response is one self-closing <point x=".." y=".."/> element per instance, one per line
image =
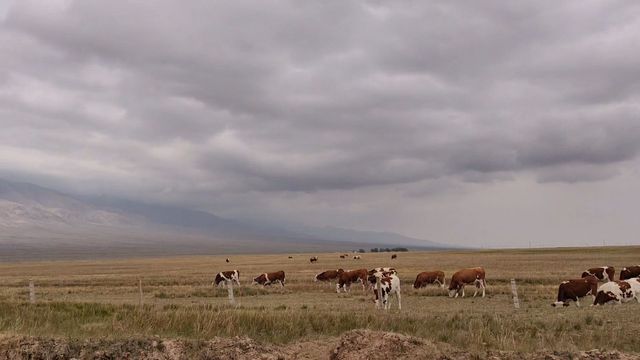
<point x="346" y="278"/>
<point x="342" y="256"/>
<point x="225" y="277"/>
<point x="356" y="257"/>
<point x="383" y="270"/>
<point x="573" y="290"/>
<point x="429" y="277"/>
<point x="618" y="292"/>
<point x="389" y="284"/>
<point x="630" y="272"/>
<point x="464" y="277"/>
<point x="313" y="259"/>
<point x="227" y="260"/>
<point x="328" y="275"/>
<point x="394" y="256"/>
<point x="270" y="278"/>
<point x="603" y="273"/>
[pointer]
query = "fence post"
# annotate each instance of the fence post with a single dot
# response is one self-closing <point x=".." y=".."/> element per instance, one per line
<point x="232" y="300"/>
<point x="32" y="292"/>
<point x="140" y="289"/>
<point x="379" y="287"/>
<point x="514" y="292"/>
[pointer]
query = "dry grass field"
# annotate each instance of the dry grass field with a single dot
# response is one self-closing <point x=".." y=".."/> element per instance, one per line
<point x="99" y="299"/>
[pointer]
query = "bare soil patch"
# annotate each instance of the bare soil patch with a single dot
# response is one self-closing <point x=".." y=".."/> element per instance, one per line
<point x="353" y="345"/>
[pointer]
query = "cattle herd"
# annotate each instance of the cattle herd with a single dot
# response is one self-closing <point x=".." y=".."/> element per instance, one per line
<point x="384" y="281"/>
<point x="625" y="289"/>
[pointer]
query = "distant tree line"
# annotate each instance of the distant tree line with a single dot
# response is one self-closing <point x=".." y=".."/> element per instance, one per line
<point x="395" y="249"/>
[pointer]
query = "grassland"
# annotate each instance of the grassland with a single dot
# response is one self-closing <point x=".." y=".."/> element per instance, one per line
<point x="89" y="299"/>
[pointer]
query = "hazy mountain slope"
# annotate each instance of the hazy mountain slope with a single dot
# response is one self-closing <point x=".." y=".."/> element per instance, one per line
<point x="35" y="219"/>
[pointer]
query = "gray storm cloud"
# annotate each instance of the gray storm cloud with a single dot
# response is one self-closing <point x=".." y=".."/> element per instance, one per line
<point x="207" y="101"/>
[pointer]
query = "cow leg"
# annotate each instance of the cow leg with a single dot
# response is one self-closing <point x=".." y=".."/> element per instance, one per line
<point x="462" y="290"/>
<point x="577" y="302"/>
<point x="484" y="286"/>
<point x="338" y="288"/>
<point x="399" y="300"/>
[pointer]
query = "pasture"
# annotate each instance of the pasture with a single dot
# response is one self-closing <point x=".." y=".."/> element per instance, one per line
<point x="99" y="299"/>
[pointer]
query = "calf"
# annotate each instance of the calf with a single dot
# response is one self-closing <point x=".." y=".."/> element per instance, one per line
<point x="630" y="272"/>
<point x="313" y="259"/>
<point x="225" y="277"/>
<point x="328" y="275"/>
<point x="389" y="284"/>
<point x="575" y="289"/>
<point x="467" y="276"/>
<point x="429" y="277"/>
<point x="346" y="278"/>
<point x="270" y="278"/>
<point x="603" y="273"/>
<point x="618" y="291"/>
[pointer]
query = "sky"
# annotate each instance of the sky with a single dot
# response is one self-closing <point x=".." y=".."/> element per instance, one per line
<point x="497" y="124"/>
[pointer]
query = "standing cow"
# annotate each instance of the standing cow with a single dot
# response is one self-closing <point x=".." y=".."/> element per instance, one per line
<point x="630" y="272"/>
<point x="467" y="276"/>
<point x="573" y="290"/>
<point x="429" y="277"/>
<point x="603" y="273"/>
<point x="225" y="277"/>
<point x="618" y="292"/>
<point x="346" y="278"/>
<point x="394" y="256"/>
<point x="389" y="284"/>
<point x="313" y="259"/>
<point x="270" y="278"/>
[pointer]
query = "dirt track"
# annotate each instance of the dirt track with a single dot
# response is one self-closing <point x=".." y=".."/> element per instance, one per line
<point x="353" y="345"/>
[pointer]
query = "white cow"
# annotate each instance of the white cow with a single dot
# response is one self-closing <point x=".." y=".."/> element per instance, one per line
<point x="389" y="284"/>
<point x="618" y="292"/>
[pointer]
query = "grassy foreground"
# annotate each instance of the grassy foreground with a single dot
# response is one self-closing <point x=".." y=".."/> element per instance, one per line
<point x="89" y="299"/>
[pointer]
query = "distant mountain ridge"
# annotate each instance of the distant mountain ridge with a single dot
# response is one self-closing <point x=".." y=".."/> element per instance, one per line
<point x="37" y="219"/>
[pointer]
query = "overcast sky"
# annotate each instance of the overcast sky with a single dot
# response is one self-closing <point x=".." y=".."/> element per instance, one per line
<point x="472" y="123"/>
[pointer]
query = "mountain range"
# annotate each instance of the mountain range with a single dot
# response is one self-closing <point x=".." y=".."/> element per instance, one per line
<point x="38" y="222"/>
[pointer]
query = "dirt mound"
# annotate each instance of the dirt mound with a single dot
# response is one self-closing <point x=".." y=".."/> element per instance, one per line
<point x="353" y="345"/>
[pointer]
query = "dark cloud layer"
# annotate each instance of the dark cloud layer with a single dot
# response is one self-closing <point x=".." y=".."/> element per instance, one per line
<point x="188" y="101"/>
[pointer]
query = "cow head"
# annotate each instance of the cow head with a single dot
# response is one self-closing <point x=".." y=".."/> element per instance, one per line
<point x="454" y="289"/>
<point x="259" y="280"/>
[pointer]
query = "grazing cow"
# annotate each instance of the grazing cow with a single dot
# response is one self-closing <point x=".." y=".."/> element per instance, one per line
<point x="226" y="277"/>
<point x="394" y="256"/>
<point x="313" y="259"/>
<point x="270" y="278"/>
<point x="630" y="272"/>
<point x="227" y="260"/>
<point x="290" y="257"/>
<point x="618" y="292"/>
<point x="356" y="257"/>
<point x="429" y="277"/>
<point x="575" y="289"/>
<point x="328" y="275"/>
<point x="389" y="284"/>
<point x="603" y="273"/>
<point x="346" y="278"/>
<point x="467" y="276"/>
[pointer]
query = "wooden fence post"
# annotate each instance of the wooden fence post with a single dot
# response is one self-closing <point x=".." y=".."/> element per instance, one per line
<point x="32" y="292"/>
<point x="232" y="300"/>
<point x="140" y="289"/>
<point x="514" y="292"/>
<point x="379" y="287"/>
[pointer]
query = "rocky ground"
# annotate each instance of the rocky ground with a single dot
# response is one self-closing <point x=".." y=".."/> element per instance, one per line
<point x="353" y="345"/>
